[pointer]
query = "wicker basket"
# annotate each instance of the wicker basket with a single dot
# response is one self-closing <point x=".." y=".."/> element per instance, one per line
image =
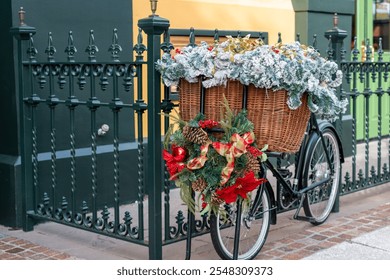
<point x="274" y="123"/>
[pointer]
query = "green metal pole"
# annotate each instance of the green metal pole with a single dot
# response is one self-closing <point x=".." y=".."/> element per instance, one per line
<point x="22" y="34"/>
<point x="154" y="26"/>
<point x="337" y="36"/>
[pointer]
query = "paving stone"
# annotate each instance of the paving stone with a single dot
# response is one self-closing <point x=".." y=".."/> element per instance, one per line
<point x="345" y="236"/>
<point x="15" y="250"/>
<point x="319" y="237"/>
<point x="362" y="230"/>
<point x="336" y="239"/>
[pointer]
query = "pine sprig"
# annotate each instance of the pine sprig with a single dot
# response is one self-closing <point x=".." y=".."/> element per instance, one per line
<point x="176" y="121"/>
<point x="227" y="121"/>
<point x="206" y="157"/>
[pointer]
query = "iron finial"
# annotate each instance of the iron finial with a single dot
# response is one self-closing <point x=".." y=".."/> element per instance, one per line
<point x="115" y="48"/>
<point x="91" y="49"/>
<point x="50" y="50"/>
<point x="153" y="5"/>
<point x="380" y="50"/>
<point x="335" y="20"/>
<point x="355" y="50"/>
<point x="279" y="37"/>
<point x="314" y="44"/>
<point x="216" y="36"/>
<point x="192" y="37"/>
<point x="70" y="49"/>
<point x="22" y="13"/>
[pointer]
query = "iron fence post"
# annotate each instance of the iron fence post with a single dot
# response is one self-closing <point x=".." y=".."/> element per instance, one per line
<point x="22" y="34"/>
<point x="337" y="52"/>
<point x="154" y="26"/>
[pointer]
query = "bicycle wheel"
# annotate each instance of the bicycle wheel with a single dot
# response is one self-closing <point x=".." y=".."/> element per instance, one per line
<point x="319" y="201"/>
<point x="254" y="229"/>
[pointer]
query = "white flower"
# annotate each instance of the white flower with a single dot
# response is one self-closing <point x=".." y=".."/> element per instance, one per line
<point x="293" y="67"/>
<point x="312" y="83"/>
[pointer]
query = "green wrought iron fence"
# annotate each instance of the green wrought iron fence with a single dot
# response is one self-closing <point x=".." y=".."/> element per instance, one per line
<point x="77" y="173"/>
<point x="369" y="93"/>
<point x="82" y="158"/>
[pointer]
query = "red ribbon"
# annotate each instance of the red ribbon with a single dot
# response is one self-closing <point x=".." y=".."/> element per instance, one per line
<point x="232" y="150"/>
<point x="198" y="162"/>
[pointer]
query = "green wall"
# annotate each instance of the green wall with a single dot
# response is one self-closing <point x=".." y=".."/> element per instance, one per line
<point x="312" y="17"/>
<point x="58" y="17"/>
<point x="364" y="30"/>
<point x="316" y="17"/>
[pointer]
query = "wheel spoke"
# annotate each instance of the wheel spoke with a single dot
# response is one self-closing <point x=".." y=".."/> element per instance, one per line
<point x="253" y="230"/>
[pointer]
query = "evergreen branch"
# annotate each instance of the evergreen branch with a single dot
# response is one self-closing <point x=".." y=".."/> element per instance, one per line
<point x="186" y="196"/>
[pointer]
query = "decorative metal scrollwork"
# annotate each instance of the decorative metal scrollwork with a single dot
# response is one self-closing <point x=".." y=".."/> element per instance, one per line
<point x="85" y="218"/>
<point x="181" y="229"/>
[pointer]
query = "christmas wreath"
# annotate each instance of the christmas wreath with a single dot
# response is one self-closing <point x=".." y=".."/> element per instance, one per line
<point x="218" y="160"/>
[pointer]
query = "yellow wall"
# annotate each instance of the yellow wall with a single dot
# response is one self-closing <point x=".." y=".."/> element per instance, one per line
<point x="270" y="16"/>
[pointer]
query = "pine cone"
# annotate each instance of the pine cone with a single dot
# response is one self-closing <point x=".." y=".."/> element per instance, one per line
<point x="199" y="185"/>
<point x="252" y="164"/>
<point x="195" y="134"/>
<point x="216" y="200"/>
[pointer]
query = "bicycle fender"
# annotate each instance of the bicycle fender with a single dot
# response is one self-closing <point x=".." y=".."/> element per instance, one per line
<point x="273" y="202"/>
<point x="322" y="125"/>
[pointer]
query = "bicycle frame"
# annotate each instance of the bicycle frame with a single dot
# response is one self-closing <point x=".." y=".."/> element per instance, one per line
<point x="295" y="190"/>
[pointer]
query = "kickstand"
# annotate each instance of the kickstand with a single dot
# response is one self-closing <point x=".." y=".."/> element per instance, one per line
<point x="302" y="218"/>
<point x="301" y="199"/>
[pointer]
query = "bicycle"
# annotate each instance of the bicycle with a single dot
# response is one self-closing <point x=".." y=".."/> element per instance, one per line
<point x="315" y="184"/>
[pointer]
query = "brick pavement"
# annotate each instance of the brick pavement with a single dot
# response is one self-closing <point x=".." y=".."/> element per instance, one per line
<point x="12" y="248"/>
<point x="309" y="241"/>
<point x="295" y="246"/>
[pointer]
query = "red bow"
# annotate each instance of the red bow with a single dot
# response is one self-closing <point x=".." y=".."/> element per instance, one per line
<point x="174" y="161"/>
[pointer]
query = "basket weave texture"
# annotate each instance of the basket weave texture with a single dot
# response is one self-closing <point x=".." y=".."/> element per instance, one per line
<point x="275" y="124"/>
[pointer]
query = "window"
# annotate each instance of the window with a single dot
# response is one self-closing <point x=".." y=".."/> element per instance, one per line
<point x="381" y="13"/>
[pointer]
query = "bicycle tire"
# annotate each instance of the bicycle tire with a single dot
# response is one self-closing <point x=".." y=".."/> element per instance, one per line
<point x="319" y="202"/>
<point x="253" y="233"/>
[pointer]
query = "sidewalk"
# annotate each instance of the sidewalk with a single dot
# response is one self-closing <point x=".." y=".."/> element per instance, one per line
<point x="361" y="230"/>
<point x="373" y="246"/>
<point x="361" y="236"/>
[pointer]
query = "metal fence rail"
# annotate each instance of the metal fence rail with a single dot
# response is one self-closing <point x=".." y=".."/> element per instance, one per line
<point x="369" y="95"/>
<point x="62" y="159"/>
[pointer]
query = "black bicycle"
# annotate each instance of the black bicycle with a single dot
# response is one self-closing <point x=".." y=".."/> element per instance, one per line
<point x="314" y="186"/>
